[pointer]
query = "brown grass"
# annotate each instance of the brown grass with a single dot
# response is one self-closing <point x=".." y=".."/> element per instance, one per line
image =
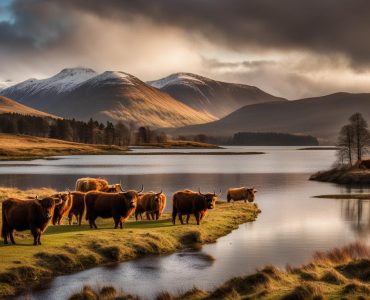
<point x="30" y="147"/>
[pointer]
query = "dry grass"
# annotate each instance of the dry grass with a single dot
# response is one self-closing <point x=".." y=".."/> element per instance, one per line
<point x="343" y="176"/>
<point x="10" y="106"/>
<point x="68" y="249"/>
<point x="337" y="274"/>
<point x="30" y="147"/>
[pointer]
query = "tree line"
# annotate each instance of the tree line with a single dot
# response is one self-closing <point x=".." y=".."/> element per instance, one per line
<point x="91" y="132"/>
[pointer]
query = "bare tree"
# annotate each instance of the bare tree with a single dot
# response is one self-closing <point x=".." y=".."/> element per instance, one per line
<point x="361" y="134"/>
<point x="346" y="144"/>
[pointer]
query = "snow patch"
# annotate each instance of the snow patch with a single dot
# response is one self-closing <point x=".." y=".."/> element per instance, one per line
<point x="178" y="78"/>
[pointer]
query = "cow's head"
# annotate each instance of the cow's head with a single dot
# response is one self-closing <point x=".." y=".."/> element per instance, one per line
<point x="210" y="199"/>
<point x="251" y="193"/>
<point x="47" y="206"/>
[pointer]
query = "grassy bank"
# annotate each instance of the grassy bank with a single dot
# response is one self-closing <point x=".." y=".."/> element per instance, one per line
<point x="343" y="176"/>
<point x="18" y="147"/>
<point x="172" y="144"/>
<point x="69" y="249"/>
<point x="337" y="274"/>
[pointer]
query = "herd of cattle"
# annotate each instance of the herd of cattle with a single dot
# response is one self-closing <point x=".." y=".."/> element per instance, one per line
<point x="95" y="198"/>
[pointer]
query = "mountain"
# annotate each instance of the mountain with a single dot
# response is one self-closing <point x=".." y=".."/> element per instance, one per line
<point x="214" y="97"/>
<point x="41" y="93"/>
<point x="10" y="106"/>
<point x="6" y="84"/>
<point x="320" y="116"/>
<point x="111" y="96"/>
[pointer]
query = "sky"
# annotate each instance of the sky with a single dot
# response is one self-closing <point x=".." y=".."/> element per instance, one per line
<point x="289" y="48"/>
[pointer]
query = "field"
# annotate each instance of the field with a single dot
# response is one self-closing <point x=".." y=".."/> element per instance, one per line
<point x="69" y="249"/>
<point x="17" y="147"/>
<point x="336" y="274"/>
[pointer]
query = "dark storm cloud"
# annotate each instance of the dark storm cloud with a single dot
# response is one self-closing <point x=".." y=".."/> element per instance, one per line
<point x="325" y="26"/>
<point x="34" y="25"/>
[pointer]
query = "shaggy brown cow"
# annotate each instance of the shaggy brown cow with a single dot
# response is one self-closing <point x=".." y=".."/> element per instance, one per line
<point x="152" y="204"/>
<point x="62" y="209"/>
<point x="118" y="206"/>
<point x="27" y="214"/>
<point x="96" y="184"/>
<point x="189" y="202"/>
<point x="242" y="193"/>
<point x="78" y="207"/>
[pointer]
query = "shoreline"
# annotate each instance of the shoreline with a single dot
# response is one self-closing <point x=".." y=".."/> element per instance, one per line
<point x="68" y="249"/>
<point x="364" y="196"/>
<point x="349" y="176"/>
<point x="336" y="274"/>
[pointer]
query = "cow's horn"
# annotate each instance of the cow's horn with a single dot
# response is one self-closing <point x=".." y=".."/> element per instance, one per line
<point x="199" y="191"/>
<point x="218" y="193"/>
<point x="160" y="192"/>
<point x="142" y="188"/>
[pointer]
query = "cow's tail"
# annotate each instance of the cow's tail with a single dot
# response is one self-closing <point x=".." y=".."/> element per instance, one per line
<point x="4" y="224"/>
<point x="174" y="210"/>
<point x="228" y="197"/>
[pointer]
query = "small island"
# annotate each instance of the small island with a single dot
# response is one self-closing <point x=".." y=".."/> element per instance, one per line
<point x="351" y="166"/>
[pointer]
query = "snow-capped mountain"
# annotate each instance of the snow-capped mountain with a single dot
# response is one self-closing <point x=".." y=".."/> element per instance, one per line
<point x="214" y="97"/>
<point x="10" y="106"/>
<point x="33" y="91"/>
<point x="6" y="84"/>
<point x="82" y="94"/>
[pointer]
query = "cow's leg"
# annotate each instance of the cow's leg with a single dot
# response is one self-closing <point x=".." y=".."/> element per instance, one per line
<point x="120" y="223"/>
<point x="187" y="218"/>
<point x="35" y="235"/>
<point x="96" y="227"/>
<point x="197" y="217"/>
<point x="79" y="219"/>
<point x="5" y="232"/>
<point x="180" y="218"/>
<point x="147" y="216"/>
<point x="39" y="237"/>
<point x="156" y="215"/>
<point x="11" y="232"/>
<point x="136" y="215"/>
<point x="174" y="213"/>
<point x="70" y="218"/>
<point x="116" y="222"/>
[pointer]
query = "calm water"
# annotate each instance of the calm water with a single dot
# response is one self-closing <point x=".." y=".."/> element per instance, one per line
<point x="290" y="228"/>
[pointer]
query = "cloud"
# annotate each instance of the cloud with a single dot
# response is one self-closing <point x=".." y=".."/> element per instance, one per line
<point x="288" y="47"/>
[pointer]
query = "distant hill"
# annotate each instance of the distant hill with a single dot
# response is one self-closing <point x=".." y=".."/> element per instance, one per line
<point x="111" y="96"/>
<point x="272" y="139"/>
<point x="211" y="96"/>
<point x="10" y="106"/>
<point x="321" y="117"/>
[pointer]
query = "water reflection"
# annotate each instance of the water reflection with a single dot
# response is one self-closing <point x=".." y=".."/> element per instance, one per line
<point x="357" y="213"/>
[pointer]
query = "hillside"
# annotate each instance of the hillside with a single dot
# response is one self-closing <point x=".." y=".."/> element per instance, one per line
<point x="29" y="147"/>
<point x="10" y="106"/>
<point x="211" y="96"/>
<point x="111" y="96"/>
<point x="320" y="116"/>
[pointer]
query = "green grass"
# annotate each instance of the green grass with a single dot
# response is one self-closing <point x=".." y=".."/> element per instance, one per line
<point x="67" y="249"/>
<point x="337" y="274"/>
